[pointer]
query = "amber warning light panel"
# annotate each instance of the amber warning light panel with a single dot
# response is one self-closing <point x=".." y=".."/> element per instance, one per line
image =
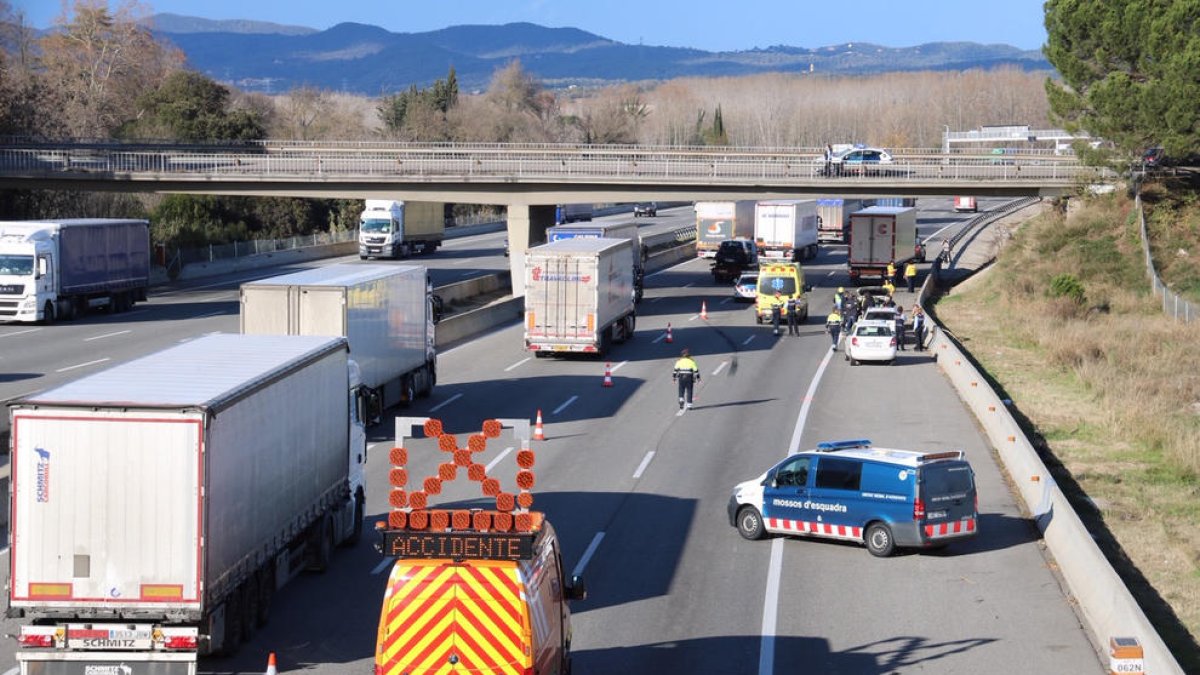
<point x="458" y="545"/>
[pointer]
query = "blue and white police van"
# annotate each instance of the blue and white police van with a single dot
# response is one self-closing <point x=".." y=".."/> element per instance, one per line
<point x="853" y="491"/>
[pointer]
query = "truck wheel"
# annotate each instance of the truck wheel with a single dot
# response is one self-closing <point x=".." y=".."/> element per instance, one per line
<point x="48" y="313"/>
<point x="359" y="513"/>
<point x="321" y="545"/>
<point x="606" y="340"/>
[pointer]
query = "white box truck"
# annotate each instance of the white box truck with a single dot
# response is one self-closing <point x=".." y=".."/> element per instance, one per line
<point x="718" y="221"/>
<point x="158" y="505"/>
<point x="617" y="230"/>
<point x="880" y="235"/>
<point x="58" y="269"/>
<point x="578" y="296"/>
<point x="833" y="218"/>
<point x="396" y="229"/>
<point x="786" y="229"/>
<point x="384" y="311"/>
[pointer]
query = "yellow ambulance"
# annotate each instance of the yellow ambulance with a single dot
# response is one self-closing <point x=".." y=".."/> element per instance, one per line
<point x="779" y="282"/>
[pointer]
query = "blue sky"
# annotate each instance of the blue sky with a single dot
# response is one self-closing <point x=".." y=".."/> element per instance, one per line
<point x="703" y="24"/>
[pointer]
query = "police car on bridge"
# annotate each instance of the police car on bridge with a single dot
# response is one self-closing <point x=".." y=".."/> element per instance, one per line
<point x="854" y="491"/>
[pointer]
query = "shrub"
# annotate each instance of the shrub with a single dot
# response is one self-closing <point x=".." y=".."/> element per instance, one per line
<point x="1066" y="285"/>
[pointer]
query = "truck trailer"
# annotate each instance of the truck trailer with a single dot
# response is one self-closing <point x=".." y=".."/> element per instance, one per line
<point x="386" y="312"/>
<point x="58" y="269"/>
<point x="880" y="235"/>
<point x="833" y="218"/>
<point x="786" y="229"/>
<point x="570" y="213"/>
<point x="158" y="505"/>
<point x="578" y="296"/>
<point x="617" y="230"/>
<point x="396" y="229"/>
<point x="718" y="221"/>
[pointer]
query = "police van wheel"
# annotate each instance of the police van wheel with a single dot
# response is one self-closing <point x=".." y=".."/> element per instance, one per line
<point x="879" y="540"/>
<point x="750" y="523"/>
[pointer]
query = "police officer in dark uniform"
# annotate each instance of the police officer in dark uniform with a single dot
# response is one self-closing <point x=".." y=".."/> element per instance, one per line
<point x="793" y="312"/>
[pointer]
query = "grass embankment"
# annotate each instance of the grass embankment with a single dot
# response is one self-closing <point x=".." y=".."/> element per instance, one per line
<point x="1108" y="387"/>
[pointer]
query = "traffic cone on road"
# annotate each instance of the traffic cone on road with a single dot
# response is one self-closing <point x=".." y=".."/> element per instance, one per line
<point x="669" y="338"/>
<point x="539" y="434"/>
<point x="704" y="310"/>
<point x="608" y="375"/>
<point x="271" y="670"/>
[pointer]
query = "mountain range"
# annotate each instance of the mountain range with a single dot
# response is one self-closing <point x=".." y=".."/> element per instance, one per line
<point x="369" y="60"/>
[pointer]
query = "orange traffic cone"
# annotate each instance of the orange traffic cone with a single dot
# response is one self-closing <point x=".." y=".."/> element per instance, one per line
<point x="669" y="338"/>
<point x="608" y="375"/>
<point x="271" y="670"/>
<point x="704" y="310"/>
<point x="539" y="434"/>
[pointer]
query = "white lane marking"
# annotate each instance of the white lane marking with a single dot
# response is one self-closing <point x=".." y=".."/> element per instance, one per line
<point x="721" y="367"/>
<point x="564" y="405"/>
<point x="617" y="367"/>
<point x="81" y="365"/>
<point x="587" y="555"/>
<point x="383" y="565"/>
<point x="725" y="301"/>
<point x="656" y="299"/>
<point x="658" y="339"/>
<point x="106" y="335"/>
<point x="21" y="332"/>
<point x="831" y="274"/>
<point x="518" y="363"/>
<point x="447" y="402"/>
<point x="694" y="317"/>
<point x="689" y="285"/>
<point x="766" y="650"/>
<point x="747" y="340"/>
<point x="464" y="261"/>
<point x="205" y="316"/>
<point x="13" y="671"/>
<point x="645" y="463"/>
<point x="467" y="273"/>
<point x="494" y="462"/>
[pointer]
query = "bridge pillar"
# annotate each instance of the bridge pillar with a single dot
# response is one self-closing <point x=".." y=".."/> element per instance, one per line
<point x="526" y="227"/>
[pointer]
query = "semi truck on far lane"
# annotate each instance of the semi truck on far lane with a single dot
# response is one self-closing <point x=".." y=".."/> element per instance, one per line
<point x="718" y="221"/>
<point x="395" y="229"/>
<point x="880" y="235"/>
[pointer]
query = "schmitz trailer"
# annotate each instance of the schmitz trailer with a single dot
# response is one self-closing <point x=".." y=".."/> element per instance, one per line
<point x="385" y="311"/>
<point x="833" y="218"/>
<point x="880" y="235"/>
<point x="58" y="269"/>
<point x="158" y="505"/>
<point x="718" y="221"/>
<point x="786" y="229"/>
<point x="578" y="296"/>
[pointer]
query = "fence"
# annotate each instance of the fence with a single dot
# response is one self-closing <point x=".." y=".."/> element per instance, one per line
<point x="239" y="249"/>
<point x="1172" y="303"/>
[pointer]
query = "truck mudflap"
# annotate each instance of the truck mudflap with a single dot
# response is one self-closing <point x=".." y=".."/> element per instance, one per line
<point x="91" y="663"/>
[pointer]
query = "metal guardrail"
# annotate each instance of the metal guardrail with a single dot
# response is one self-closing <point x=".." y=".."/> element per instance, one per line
<point x="1173" y="304"/>
<point x="985" y="219"/>
<point x="571" y="164"/>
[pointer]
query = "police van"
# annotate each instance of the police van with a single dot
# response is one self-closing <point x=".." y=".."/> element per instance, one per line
<point x="853" y="491"/>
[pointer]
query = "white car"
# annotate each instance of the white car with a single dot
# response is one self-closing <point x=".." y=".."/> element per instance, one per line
<point x="864" y="161"/>
<point x="871" y="341"/>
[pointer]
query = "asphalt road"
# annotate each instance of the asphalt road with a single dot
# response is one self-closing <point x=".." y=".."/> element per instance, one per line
<point x="637" y="492"/>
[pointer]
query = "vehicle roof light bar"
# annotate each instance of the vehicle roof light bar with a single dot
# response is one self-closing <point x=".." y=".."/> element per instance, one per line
<point x="834" y="446"/>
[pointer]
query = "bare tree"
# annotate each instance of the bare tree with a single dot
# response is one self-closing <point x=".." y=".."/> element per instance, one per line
<point x="99" y="61"/>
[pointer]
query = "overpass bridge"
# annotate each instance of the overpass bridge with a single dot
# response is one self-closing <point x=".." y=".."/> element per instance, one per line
<point x="528" y="178"/>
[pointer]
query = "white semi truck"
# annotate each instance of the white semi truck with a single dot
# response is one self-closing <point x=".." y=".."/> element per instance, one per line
<point x="786" y="229"/>
<point x="397" y="229"/>
<point x="158" y="505"/>
<point x="718" y="221"/>
<point x="880" y="235"/>
<point x="610" y="230"/>
<point x="579" y="296"/>
<point x="385" y="311"/>
<point x="58" y="269"/>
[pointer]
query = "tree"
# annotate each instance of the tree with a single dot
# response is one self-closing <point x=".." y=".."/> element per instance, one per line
<point x="1130" y="71"/>
<point x="192" y="107"/>
<point x="421" y="114"/>
<point x="97" y="61"/>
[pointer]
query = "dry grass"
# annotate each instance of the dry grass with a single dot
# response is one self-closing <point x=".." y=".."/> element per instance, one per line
<point x="1110" y="386"/>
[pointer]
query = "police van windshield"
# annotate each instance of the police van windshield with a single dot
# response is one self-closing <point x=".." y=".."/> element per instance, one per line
<point x="948" y="479"/>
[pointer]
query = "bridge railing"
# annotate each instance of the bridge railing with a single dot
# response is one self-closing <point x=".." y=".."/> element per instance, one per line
<point x="558" y="164"/>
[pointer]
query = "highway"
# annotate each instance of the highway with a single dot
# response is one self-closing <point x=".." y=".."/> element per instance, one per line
<point x="637" y="491"/>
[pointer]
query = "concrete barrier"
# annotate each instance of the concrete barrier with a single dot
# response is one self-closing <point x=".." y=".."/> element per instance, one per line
<point x="1109" y="609"/>
<point x="459" y="327"/>
<point x="462" y="290"/>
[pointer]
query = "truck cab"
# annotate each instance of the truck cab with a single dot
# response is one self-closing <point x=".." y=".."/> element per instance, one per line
<point x="27" y="269"/>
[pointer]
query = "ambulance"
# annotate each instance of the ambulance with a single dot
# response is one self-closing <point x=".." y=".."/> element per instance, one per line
<point x="854" y="491"/>
<point x="786" y="279"/>
<point x="472" y="591"/>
